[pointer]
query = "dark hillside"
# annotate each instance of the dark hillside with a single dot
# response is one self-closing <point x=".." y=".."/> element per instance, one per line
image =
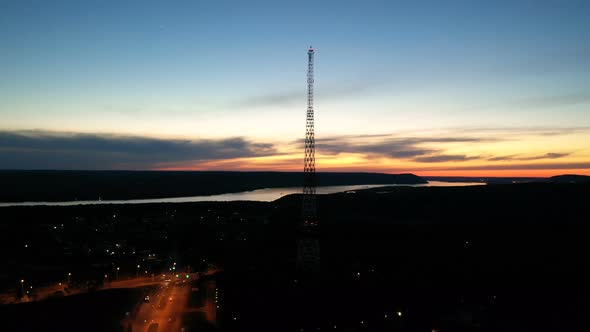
<point x="18" y="186"/>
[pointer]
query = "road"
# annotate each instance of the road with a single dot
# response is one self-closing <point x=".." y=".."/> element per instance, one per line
<point x="169" y="302"/>
<point x="166" y="306"/>
<point x="44" y="292"/>
<point x="135" y="283"/>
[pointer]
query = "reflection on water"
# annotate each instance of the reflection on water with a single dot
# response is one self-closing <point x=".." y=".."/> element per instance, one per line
<point x="262" y="195"/>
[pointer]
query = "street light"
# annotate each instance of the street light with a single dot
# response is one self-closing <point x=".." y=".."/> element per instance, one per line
<point x="137" y="271"/>
<point x="117" y="274"/>
<point x="69" y="275"/>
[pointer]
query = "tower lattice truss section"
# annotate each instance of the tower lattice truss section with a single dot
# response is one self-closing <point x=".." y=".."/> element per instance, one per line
<point x="309" y="185"/>
<point x="308" y="247"/>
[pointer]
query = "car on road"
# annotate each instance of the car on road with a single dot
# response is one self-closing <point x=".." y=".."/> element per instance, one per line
<point x="146" y="299"/>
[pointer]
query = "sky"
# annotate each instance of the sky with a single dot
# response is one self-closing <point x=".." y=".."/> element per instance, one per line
<point x="472" y="88"/>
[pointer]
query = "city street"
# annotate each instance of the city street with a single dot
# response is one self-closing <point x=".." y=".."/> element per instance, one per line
<point x="165" y="307"/>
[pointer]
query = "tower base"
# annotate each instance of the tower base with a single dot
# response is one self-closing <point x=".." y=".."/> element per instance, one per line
<point x="308" y="256"/>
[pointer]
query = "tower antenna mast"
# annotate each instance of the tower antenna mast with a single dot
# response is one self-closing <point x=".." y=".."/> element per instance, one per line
<point x="309" y="182"/>
<point x="308" y="249"/>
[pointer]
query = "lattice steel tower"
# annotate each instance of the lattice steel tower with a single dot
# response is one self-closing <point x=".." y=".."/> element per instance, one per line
<point x="309" y="184"/>
<point x="308" y="255"/>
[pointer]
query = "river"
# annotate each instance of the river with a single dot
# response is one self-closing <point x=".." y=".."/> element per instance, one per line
<point x="261" y="195"/>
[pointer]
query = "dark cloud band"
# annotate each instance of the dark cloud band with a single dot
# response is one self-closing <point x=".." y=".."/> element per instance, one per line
<point x="50" y="150"/>
<point x="408" y="148"/>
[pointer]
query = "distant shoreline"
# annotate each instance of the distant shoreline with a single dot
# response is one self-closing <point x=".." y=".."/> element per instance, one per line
<point x="56" y="186"/>
<point x="71" y="186"/>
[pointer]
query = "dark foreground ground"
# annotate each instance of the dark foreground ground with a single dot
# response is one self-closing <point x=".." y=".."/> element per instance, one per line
<point x="94" y="312"/>
<point x="493" y="258"/>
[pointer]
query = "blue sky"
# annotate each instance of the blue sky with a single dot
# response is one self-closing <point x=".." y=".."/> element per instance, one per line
<point x="217" y="70"/>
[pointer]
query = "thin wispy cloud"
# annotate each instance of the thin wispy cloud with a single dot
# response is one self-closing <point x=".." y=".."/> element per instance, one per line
<point x="444" y="158"/>
<point x="507" y="132"/>
<point x="296" y="97"/>
<point x="270" y="100"/>
<point x="541" y="101"/>
<point x="550" y="155"/>
<point x="573" y="98"/>
<point x="521" y="166"/>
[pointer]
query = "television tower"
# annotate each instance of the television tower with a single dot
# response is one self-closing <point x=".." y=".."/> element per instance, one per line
<point x="309" y="185"/>
<point x="308" y="248"/>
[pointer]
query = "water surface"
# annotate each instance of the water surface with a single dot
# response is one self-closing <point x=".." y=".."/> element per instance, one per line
<point x="261" y="195"/>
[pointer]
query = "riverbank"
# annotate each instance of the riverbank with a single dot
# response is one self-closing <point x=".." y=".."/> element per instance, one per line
<point x="54" y="186"/>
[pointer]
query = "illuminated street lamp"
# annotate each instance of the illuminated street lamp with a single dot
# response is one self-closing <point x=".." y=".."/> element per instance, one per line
<point x="69" y="275"/>
<point x="22" y="286"/>
<point x="117" y="273"/>
<point x="137" y="271"/>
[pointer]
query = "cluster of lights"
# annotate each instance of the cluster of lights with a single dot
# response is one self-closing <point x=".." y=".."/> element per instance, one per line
<point x="217" y="298"/>
<point x="363" y="322"/>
